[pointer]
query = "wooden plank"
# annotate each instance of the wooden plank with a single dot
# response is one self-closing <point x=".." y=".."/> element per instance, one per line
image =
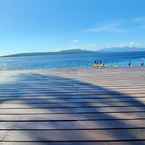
<point x="75" y="135"/>
<point x="58" y="117"/>
<point x="46" y="106"/>
<point x="33" y="95"/>
<point x="71" y="111"/>
<point x="69" y="105"/>
<point x="130" y="142"/>
<point x="72" y="99"/>
<point x="75" y="88"/>
<point x="62" y="93"/>
<point x="71" y="125"/>
<point x="70" y="90"/>
<point x="75" y="102"/>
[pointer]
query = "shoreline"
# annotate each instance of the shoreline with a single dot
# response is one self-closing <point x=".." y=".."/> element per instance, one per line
<point x="79" y="68"/>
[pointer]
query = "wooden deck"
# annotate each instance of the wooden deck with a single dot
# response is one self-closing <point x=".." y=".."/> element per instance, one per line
<point x="72" y="108"/>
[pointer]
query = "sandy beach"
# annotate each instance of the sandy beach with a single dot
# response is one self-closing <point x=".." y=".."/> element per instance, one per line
<point x="72" y="106"/>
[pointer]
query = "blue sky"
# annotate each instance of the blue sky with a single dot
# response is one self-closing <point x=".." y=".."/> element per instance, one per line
<point x="52" y="25"/>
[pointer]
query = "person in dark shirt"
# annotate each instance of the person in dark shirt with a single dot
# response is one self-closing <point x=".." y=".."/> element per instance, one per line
<point x="129" y="64"/>
<point x="142" y="63"/>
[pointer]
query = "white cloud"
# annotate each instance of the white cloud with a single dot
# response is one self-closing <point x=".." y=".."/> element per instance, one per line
<point x="139" y="20"/>
<point x="76" y="44"/>
<point x="131" y="44"/>
<point x="111" y="27"/>
<point x="75" y="41"/>
<point x="90" y="46"/>
<point x="119" y="26"/>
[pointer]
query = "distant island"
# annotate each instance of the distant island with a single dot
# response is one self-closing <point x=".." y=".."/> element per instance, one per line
<point x="71" y="51"/>
<point x="123" y="49"/>
<point x="76" y="51"/>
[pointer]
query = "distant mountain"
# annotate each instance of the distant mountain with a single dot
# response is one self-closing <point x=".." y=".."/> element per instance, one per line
<point x="48" y="53"/>
<point x="122" y="49"/>
<point x="29" y="54"/>
<point x="74" y="51"/>
<point x="78" y="51"/>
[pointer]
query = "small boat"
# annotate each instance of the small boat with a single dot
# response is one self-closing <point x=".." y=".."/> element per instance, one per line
<point x="98" y="65"/>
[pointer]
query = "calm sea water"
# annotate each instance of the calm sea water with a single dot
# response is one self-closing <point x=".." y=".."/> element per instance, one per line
<point x="77" y="60"/>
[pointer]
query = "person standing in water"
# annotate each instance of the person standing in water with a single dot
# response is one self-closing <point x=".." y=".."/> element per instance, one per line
<point x="95" y="62"/>
<point x="142" y="63"/>
<point x="129" y="64"/>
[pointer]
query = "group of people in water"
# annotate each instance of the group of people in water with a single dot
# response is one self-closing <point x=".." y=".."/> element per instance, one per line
<point x="100" y="64"/>
<point x="141" y="64"/>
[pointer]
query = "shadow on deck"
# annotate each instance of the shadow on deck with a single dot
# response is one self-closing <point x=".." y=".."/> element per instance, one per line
<point x="39" y="109"/>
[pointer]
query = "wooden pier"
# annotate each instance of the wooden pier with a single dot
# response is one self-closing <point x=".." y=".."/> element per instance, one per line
<point x="78" y="107"/>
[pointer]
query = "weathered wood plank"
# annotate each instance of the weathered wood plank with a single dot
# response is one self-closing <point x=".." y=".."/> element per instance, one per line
<point x="71" y="101"/>
<point x="75" y="135"/>
<point x="58" y="117"/>
<point x="133" y="142"/>
<point x="69" y="105"/>
<point x="59" y="125"/>
<point x="71" y="111"/>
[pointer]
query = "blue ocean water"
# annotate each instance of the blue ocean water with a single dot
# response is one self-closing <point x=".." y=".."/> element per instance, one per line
<point x="72" y="60"/>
